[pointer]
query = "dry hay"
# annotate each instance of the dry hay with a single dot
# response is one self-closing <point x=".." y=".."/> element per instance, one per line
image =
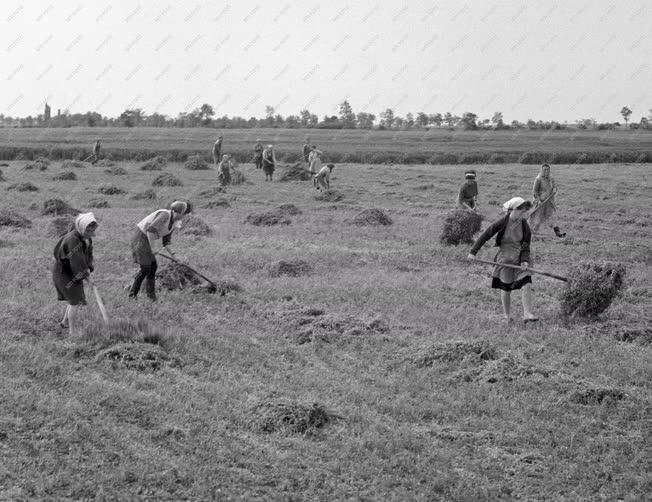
<point x="118" y="333"/>
<point x="288" y="209"/>
<point x="288" y="417"/>
<point x="4" y="164"/>
<point x="56" y="207"/>
<point x="60" y="225"/>
<point x="329" y="195"/>
<point x="135" y="356"/>
<point x="194" y="225"/>
<point x="116" y="171"/>
<point x="589" y="394"/>
<point x="219" y="202"/>
<point x="507" y="368"/>
<point x="167" y="180"/>
<point x="105" y="163"/>
<point x="196" y="163"/>
<point x="372" y="217"/>
<point x="238" y="177"/>
<point x="638" y="334"/>
<point x="175" y="276"/>
<point x="148" y="194"/>
<point x="23" y="187"/>
<point x="10" y="218"/>
<point x="591" y="288"/>
<point x="455" y="351"/>
<point x="268" y="218"/>
<point x="98" y="203"/>
<point x="110" y="190"/>
<point x="154" y="164"/>
<point x="65" y="176"/>
<point x="69" y="164"/>
<point x="39" y="163"/>
<point x="292" y="268"/>
<point x="460" y="226"/>
<point x="211" y="192"/>
<point x="295" y="172"/>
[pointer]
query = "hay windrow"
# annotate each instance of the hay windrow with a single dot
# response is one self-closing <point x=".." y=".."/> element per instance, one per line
<point x="40" y="164"/>
<point x="196" y="163"/>
<point x="295" y="172"/>
<point x="60" y="225"/>
<point x="110" y="190"/>
<point x="154" y="164"/>
<point x="23" y="187"/>
<point x="329" y="195"/>
<point x="591" y="288"/>
<point x="99" y="336"/>
<point x="288" y="209"/>
<point x="167" y="180"/>
<point x="460" y="227"/>
<point x="65" y="176"/>
<point x="175" y="276"/>
<point x="292" y="268"/>
<point x="373" y="217"/>
<point x="57" y="207"/>
<point x="287" y="417"/>
<point x="454" y="352"/>
<point x="98" y="203"/>
<point x="268" y="218"/>
<point x="10" y="218"/>
<point x="194" y="225"/>
<point x="148" y="194"/>
<point x="116" y="171"/>
<point x="69" y="164"/>
<point x="135" y="356"/>
<point x="219" y="202"/>
<point x="588" y="394"/>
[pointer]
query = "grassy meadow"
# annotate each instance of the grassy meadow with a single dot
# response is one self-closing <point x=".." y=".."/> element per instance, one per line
<point x="560" y="410"/>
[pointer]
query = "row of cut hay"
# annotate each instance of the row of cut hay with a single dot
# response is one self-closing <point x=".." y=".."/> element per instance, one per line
<point x="277" y="216"/>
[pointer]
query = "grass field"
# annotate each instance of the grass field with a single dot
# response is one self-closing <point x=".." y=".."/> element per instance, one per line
<point x="560" y="410"/>
<point x="437" y="146"/>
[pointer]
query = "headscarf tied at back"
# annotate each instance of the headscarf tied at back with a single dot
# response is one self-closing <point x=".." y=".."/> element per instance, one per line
<point x="514" y="203"/>
<point x="181" y="207"/>
<point x="82" y="222"/>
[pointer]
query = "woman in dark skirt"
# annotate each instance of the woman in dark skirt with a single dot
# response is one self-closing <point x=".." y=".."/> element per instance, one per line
<point x="513" y="237"/>
<point x="157" y="225"/>
<point x="73" y="262"/>
<point x="269" y="162"/>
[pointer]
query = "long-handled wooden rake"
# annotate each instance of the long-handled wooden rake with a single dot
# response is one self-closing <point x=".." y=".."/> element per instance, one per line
<point x="542" y="272"/>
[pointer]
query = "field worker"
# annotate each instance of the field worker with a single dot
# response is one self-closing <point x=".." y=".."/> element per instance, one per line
<point x="543" y="193"/>
<point x="467" y="198"/>
<point x="323" y="177"/>
<point x="306" y="151"/>
<point x="96" y="152"/>
<point x="314" y="160"/>
<point x="217" y="150"/>
<point x="513" y="240"/>
<point x="258" y="154"/>
<point x="73" y="262"/>
<point x="269" y="162"/>
<point x="158" y="225"/>
<point x="224" y="170"/>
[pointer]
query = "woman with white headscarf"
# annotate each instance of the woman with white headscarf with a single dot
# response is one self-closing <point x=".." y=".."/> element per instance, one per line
<point x="513" y="238"/>
<point x="269" y="162"/>
<point x="73" y="262"/>
<point x="157" y="225"/>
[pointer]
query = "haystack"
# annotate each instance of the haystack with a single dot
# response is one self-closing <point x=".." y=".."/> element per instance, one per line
<point x="372" y="217"/>
<point x="110" y="190"/>
<point x="460" y="226"/>
<point x="289" y="209"/>
<point x="295" y="172"/>
<point x="56" y="207"/>
<point x="60" y="225"/>
<point x="174" y="276"/>
<point x="219" y="202"/>
<point x="591" y="288"/>
<point x="68" y="164"/>
<point x="23" y="187"/>
<point x="10" y="218"/>
<point x="454" y="351"/>
<point x="148" y="194"/>
<point x="194" y="225"/>
<point x="39" y="163"/>
<point x="116" y="171"/>
<point x="287" y="417"/>
<point x="237" y="177"/>
<point x="292" y="268"/>
<point x="268" y="218"/>
<point x="167" y="180"/>
<point x="65" y="176"/>
<point x="98" y="203"/>
<point x="135" y="356"/>
<point x="154" y="164"/>
<point x="329" y="195"/>
<point x="589" y="394"/>
<point x="196" y="163"/>
<point x="98" y="336"/>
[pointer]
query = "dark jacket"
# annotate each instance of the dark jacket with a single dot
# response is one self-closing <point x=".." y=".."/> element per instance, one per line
<point x="75" y="256"/>
<point x="498" y="228"/>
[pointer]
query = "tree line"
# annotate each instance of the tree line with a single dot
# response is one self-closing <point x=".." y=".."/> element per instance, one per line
<point x="205" y="116"/>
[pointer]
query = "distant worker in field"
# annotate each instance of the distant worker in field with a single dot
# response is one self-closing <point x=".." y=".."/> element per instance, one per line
<point x="73" y="263"/>
<point x="543" y="193"/>
<point x="314" y="160"/>
<point x="323" y="177"/>
<point x="513" y="238"/>
<point x="224" y="170"/>
<point x="96" y="152"/>
<point x="269" y="162"/>
<point x="157" y="225"/>
<point x="467" y="198"/>
<point x="306" y="151"/>
<point x="217" y="150"/>
<point x="258" y="154"/>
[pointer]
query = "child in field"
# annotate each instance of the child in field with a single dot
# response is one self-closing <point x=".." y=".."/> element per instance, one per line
<point x="323" y="177"/>
<point x="258" y="154"/>
<point x="269" y="162"/>
<point x="543" y="193"/>
<point x="73" y="262"/>
<point x="467" y="198"/>
<point x="306" y="151"/>
<point x="157" y="225"/>
<point x="217" y="150"/>
<point x="314" y="160"/>
<point x="224" y="170"/>
<point x="96" y="152"/>
<point x="513" y="240"/>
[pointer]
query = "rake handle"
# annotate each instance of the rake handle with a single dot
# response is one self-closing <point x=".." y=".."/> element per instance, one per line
<point x="542" y="272"/>
<point x="99" y="301"/>
<point x="189" y="268"/>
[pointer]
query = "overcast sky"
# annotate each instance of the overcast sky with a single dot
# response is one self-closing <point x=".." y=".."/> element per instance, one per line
<point x="529" y="59"/>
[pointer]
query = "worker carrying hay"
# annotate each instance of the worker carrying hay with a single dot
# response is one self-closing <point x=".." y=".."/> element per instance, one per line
<point x="258" y="154"/>
<point x="513" y="237"/>
<point x="73" y="262"/>
<point x="467" y="198"/>
<point x="323" y="177"/>
<point x="314" y="160"/>
<point x="224" y="170"/>
<point x="269" y="162"/>
<point x="95" y="156"/>
<point x="306" y="151"/>
<point x="543" y="193"/>
<point x="158" y="225"/>
<point x="217" y="150"/>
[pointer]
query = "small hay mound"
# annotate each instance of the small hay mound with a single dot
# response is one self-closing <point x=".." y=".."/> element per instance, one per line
<point x="167" y="180"/>
<point x="65" y="176"/>
<point x="196" y="163"/>
<point x="225" y="286"/>
<point x="459" y="227"/>
<point x="60" y="225"/>
<point x="237" y="177"/>
<point x="219" y="202"/>
<point x="268" y="218"/>
<point x="56" y="207"/>
<point x="509" y="367"/>
<point x="135" y="356"/>
<point x="194" y="225"/>
<point x="372" y="217"/>
<point x="110" y="190"/>
<point x="455" y="352"/>
<point x="292" y="268"/>
<point x="98" y="203"/>
<point x="154" y="164"/>
<point x="4" y="164"/>
<point x="289" y="209"/>
<point x="99" y="336"/>
<point x="105" y="163"/>
<point x="10" y="218"/>
<point x="591" y="288"/>
<point x="287" y="417"/>
<point x="148" y="194"/>
<point x="177" y="277"/>
<point x="639" y="335"/>
<point x="295" y="172"/>
<point x="116" y="171"/>
<point x="69" y="164"/>
<point x="40" y="163"/>
<point x="329" y="195"/>
<point x="591" y="395"/>
<point x="23" y="187"/>
<point x="211" y="192"/>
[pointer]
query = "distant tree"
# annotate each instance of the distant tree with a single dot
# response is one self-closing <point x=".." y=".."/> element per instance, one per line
<point x="645" y="123"/>
<point x="436" y="119"/>
<point x="409" y="121"/>
<point x="131" y="117"/>
<point x="292" y="121"/>
<point x="497" y="120"/>
<point x="347" y="117"/>
<point x="468" y="121"/>
<point x="422" y="119"/>
<point x="313" y="120"/>
<point x="304" y="118"/>
<point x="625" y="112"/>
<point x="450" y="119"/>
<point x="517" y="125"/>
<point x="365" y="120"/>
<point x="206" y="114"/>
<point x="387" y="118"/>
<point x="399" y="122"/>
<point x="269" y="116"/>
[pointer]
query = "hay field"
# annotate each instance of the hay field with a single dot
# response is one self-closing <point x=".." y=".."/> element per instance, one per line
<point x="382" y="371"/>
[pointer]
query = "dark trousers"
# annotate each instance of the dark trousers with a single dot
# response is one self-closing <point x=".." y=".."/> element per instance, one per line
<point x="146" y="273"/>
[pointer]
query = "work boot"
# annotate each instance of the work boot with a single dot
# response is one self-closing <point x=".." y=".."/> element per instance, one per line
<point x="558" y="232"/>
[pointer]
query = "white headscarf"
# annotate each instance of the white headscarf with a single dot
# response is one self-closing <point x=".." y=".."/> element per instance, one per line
<point x="512" y="203"/>
<point x="82" y="221"/>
